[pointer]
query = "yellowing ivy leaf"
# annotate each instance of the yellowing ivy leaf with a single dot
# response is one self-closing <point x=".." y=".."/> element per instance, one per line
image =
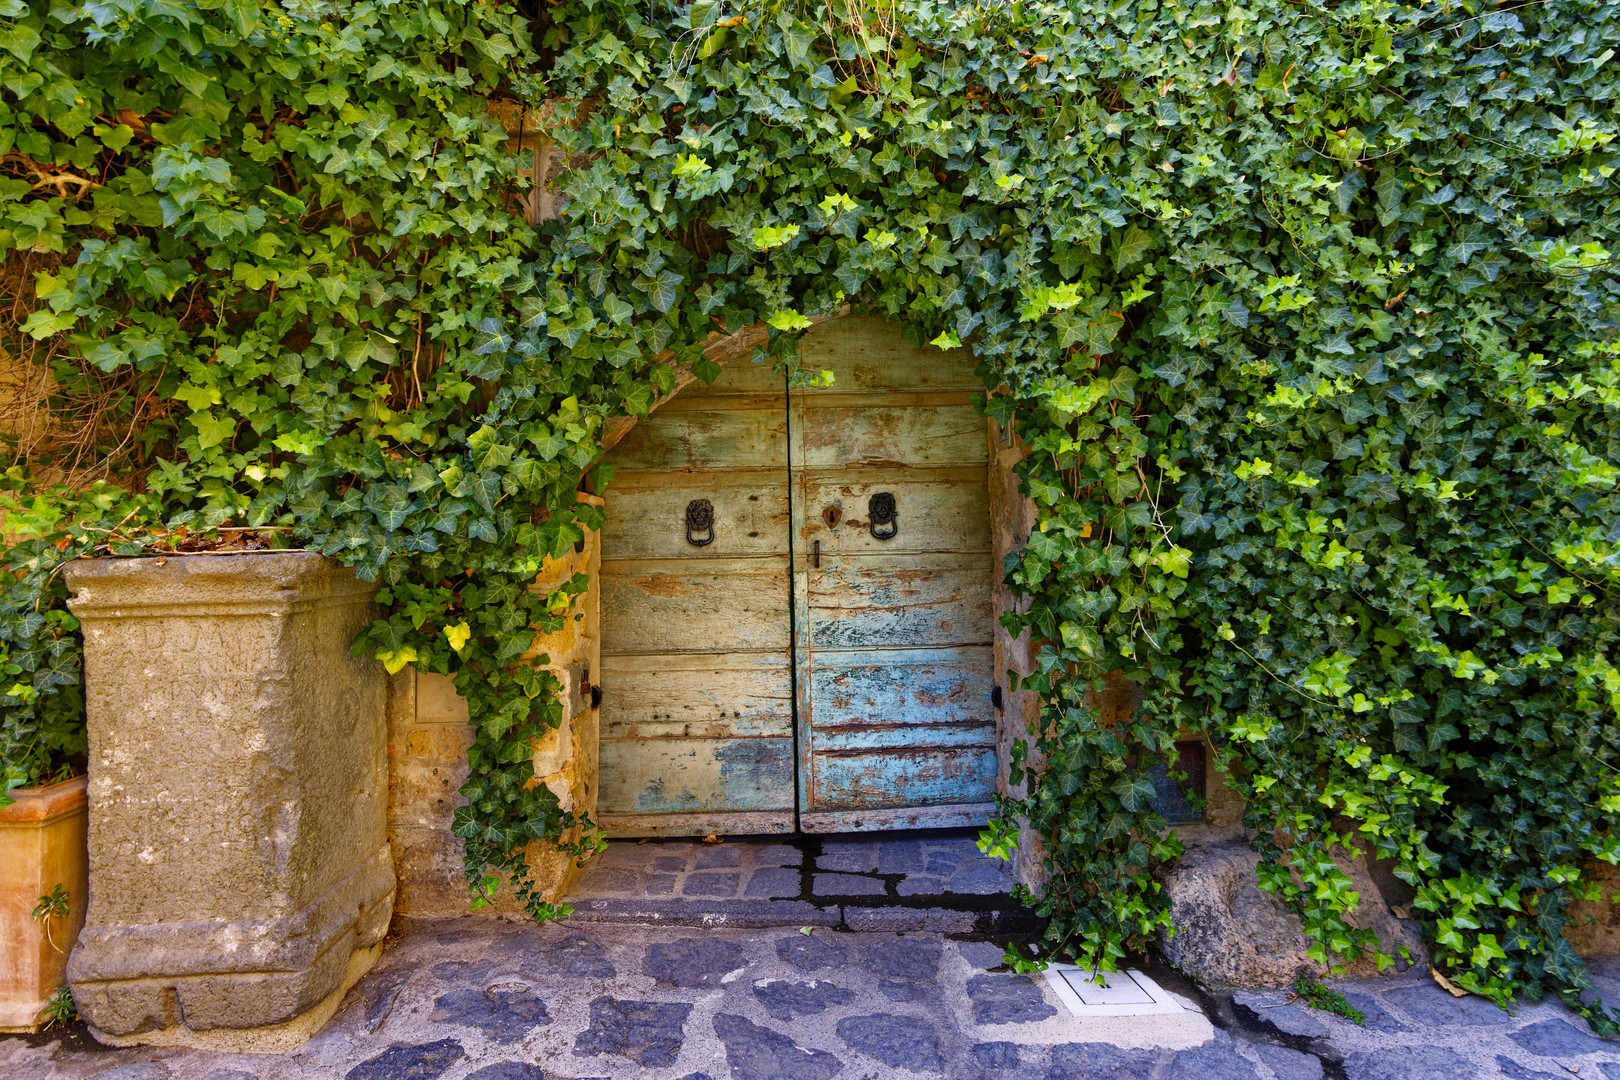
<point x="394" y="660"/>
<point x="688" y="166"/>
<point x="789" y="320"/>
<point x="769" y="236"/>
<point x="197" y="397"/>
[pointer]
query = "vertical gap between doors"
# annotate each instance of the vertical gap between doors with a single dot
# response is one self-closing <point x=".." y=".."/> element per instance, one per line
<point x="793" y="610"/>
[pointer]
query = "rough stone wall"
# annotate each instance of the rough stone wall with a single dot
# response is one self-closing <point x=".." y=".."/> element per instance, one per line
<point x="428" y="736"/>
<point x="25" y="387"/>
<point x="1012" y="516"/>
<point x="1594" y="926"/>
<point x="1224" y="814"/>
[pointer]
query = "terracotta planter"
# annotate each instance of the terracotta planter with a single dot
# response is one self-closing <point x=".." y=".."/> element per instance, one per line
<point x="42" y="845"/>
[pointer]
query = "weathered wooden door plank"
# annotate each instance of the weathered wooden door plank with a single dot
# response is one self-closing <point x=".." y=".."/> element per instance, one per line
<point x="923" y="689"/>
<point x="715" y="440"/>
<point x="750" y="513"/>
<point x="890" y="434"/>
<point x="904" y="601"/>
<point x="931" y="816"/>
<point x="682" y="776"/>
<point x="901" y="776"/>
<point x="945" y="508"/>
<point x="743" y="605"/>
<point x="696" y="695"/>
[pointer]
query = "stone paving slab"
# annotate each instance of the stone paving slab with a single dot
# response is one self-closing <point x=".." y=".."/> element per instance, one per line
<point x="934" y="880"/>
<point x="939" y="862"/>
<point x="483" y="999"/>
<point x="1414" y="1030"/>
<point x="738" y="913"/>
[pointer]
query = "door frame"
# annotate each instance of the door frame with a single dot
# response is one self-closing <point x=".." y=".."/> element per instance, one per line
<point x="1012" y="519"/>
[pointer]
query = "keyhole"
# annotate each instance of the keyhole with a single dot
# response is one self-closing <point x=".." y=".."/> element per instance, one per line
<point x="832" y="516"/>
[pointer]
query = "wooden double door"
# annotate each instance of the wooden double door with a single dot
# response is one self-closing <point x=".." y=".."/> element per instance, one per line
<point x="796" y="600"/>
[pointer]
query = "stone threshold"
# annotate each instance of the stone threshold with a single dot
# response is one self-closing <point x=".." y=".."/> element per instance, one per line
<point x="926" y="880"/>
<point x="769" y="913"/>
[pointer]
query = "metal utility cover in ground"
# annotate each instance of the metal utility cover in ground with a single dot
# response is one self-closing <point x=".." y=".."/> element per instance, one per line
<point x="1122" y="993"/>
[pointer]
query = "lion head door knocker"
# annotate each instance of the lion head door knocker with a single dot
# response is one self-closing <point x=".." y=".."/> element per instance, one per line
<point x="884" y="519"/>
<point x="700" y="523"/>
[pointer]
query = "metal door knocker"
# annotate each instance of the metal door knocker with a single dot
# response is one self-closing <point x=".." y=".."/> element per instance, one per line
<point x="700" y="523"/>
<point x="884" y="519"/>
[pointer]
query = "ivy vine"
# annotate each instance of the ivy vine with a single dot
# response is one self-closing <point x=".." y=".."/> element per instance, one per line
<point x="1305" y="314"/>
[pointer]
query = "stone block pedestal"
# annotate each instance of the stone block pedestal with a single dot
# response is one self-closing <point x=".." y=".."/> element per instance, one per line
<point x="240" y="875"/>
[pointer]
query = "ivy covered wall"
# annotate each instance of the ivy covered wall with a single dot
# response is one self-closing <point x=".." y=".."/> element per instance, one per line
<point x="1306" y="314"/>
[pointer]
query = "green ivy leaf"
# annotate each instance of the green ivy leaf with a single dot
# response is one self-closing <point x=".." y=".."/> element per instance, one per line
<point x="213" y="430"/>
<point x="1133" y="247"/>
<point x="20" y="40"/>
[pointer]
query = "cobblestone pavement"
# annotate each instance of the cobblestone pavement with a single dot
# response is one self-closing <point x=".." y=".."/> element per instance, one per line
<point x="474" y="999"/>
<point x="739" y="998"/>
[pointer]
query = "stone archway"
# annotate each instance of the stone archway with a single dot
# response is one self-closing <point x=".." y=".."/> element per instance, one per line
<point x="427" y="720"/>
